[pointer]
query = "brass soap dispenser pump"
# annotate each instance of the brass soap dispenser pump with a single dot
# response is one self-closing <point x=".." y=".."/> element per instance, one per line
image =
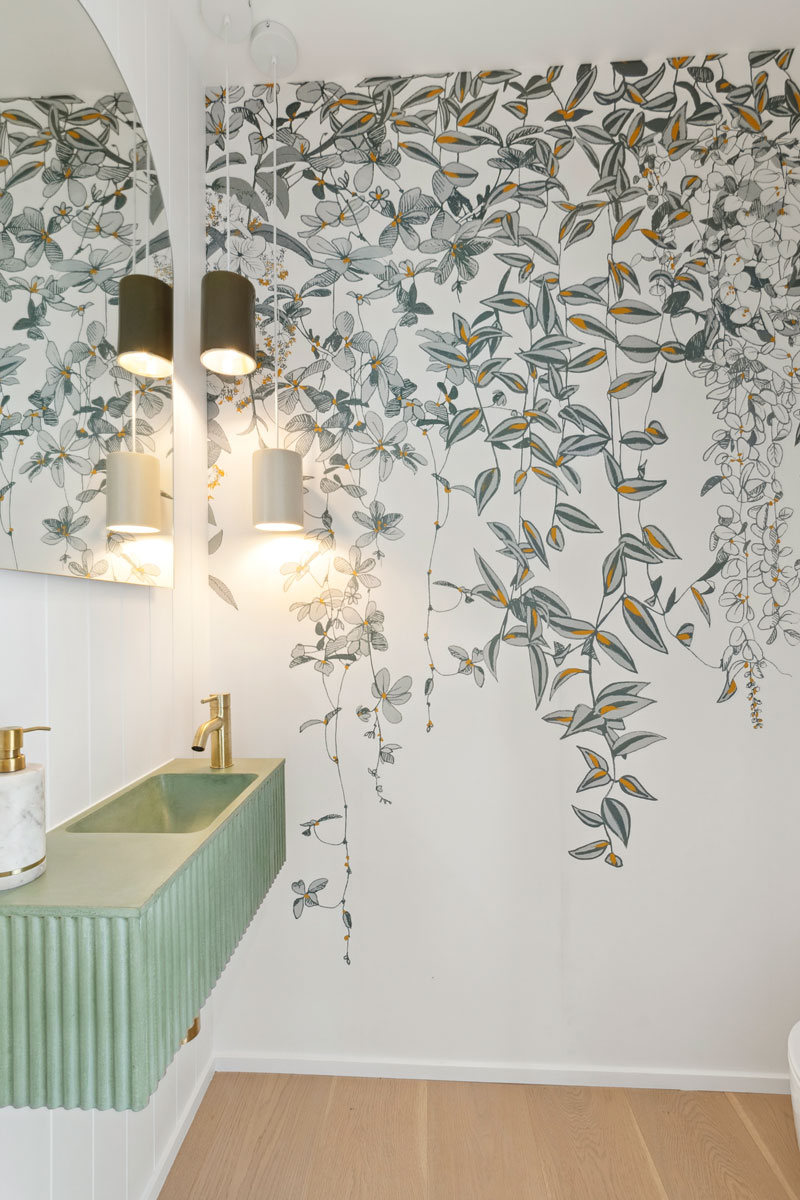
<point x="22" y="811"/>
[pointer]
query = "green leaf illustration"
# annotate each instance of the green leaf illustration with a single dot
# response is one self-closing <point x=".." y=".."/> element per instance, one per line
<point x="613" y="570"/>
<point x="592" y="819"/>
<point x="639" y="489"/>
<point x="486" y="486"/>
<point x="571" y="627"/>
<point x="591" y="850"/>
<point x="575" y="519"/>
<point x="463" y="425"/>
<point x="641" y="623"/>
<point x="659" y="541"/>
<point x="222" y="590"/>
<point x="629" y="385"/>
<point x="617" y="819"/>
<point x="586" y="323"/>
<point x="629" y="743"/>
<point x="497" y="593"/>
<point x="633" y="312"/>
<point x="507" y="302"/>
<point x="631" y="787"/>
<point x="615" y="650"/>
<point x="539" y="670"/>
<point x="588" y="360"/>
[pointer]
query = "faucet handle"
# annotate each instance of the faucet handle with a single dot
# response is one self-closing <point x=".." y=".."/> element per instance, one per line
<point x="38" y="728"/>
<point x="221" y="698"/>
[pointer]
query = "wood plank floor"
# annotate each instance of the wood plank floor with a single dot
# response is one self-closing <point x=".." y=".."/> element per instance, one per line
<point x="311" y="1137"/>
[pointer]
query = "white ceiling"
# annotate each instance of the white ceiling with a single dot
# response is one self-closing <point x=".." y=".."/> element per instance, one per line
<point x="347" y="39"/>
<point x="51" y="47"/>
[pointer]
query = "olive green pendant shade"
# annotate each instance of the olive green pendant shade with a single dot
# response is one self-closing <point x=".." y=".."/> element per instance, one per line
<point x="144" y="343"/>
<point x="228" y="324"/>
<point x="133" y="492"/>
<point x="278" y="491"/>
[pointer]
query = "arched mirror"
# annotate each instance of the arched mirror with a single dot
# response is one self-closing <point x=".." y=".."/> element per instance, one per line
<point x="80" y="205"/>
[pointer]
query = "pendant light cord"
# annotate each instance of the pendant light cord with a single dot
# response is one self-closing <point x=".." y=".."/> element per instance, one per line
<point x="133" y="270"/>
<point x="275" y="245"/>
<point x="148" y="190"/>
<point x="227" y="23"/>
<point x="133" y="195"/>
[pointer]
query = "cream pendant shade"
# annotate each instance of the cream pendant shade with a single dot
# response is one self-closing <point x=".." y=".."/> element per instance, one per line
<point x="228" y="323"/>
<point x="278" y="491"/>
<point x="133" y="493"/>
<point x="144" y="342"/>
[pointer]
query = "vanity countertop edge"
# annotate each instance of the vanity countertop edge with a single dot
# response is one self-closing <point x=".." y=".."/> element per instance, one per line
<point x="120" y="874"/>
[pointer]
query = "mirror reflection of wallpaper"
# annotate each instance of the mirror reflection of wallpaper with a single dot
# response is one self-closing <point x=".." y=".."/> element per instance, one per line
<point x="66" y="224"/>
<point x="539" y="352"/>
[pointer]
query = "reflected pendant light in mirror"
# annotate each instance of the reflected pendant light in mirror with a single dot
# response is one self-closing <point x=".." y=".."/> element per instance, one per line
<point x="277" y="473"/>
<point x="144" y="342"/>
<point x="227" y="299"/>
<point x="133" y="492"/>
<point x="145" y="326"/>
<point x="133" y="479"/>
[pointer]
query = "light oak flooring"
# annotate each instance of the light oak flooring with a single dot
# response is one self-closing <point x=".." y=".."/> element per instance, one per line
<point x="311" y="1137"/>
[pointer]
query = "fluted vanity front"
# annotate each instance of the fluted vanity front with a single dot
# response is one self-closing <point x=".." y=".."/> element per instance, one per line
<point x="106" y="959"/>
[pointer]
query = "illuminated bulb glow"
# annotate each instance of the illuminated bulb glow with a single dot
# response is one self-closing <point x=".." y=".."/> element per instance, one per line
<point x="278" y="527"/>
<point x="142" y="362"/>
<point x="133" y="528"/>
<point x="227" y="362"/>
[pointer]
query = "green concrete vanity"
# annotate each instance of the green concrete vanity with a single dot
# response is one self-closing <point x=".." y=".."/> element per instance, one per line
<point x="108" y="957"/>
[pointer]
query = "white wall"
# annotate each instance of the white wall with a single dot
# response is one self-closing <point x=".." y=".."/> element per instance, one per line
<point x="479" y="947"/>
<point x="480" y="950"/>
<point x="118" y="671"/>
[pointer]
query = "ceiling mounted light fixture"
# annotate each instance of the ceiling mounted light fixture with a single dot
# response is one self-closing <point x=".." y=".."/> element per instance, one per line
<point x="228" y="323"/>
<point x="144" y="342"/>
<point x="133" y="492"/>
<point x="144" y="338"/>
<point x="277" y="473"/>
<point x="238" y="20"/>
<point x="227" y="299"/>
<point x="273" y="48"/>
<point x="133" y="479"/>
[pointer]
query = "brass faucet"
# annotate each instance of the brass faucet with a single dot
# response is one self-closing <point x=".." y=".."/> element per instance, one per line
<point x="219" y="726"/>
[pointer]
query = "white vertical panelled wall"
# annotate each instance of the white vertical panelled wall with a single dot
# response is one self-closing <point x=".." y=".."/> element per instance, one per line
<point x="118" y="670"/>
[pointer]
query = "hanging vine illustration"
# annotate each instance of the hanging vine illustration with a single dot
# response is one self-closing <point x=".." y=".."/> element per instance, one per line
<point x="549" y="249"/>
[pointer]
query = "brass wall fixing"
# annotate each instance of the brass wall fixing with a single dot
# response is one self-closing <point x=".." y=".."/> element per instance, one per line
<point x="11" y="756"/>
<point x="219" y="727"/>
<point x="191" y="1032"/>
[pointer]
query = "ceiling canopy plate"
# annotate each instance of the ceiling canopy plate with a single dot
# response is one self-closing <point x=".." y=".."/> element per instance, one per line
<point x="271" y="40"/>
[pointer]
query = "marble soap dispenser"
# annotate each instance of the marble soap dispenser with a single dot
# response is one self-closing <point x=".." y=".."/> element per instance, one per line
<point x="22" y="820"/>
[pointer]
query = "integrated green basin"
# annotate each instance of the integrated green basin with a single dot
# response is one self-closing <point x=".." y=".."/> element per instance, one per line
<point x="165" y="803"/>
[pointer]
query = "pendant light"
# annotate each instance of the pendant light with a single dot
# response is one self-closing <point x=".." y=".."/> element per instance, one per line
<point x="227" y="299"/>
<point x="144" y="340"/>
<point x="133" y="479"/>
<point x="133" y="492"/>
<point x="277" y="473"/>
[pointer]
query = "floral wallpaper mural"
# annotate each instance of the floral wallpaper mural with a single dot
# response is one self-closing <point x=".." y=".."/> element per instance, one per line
<point x="494" y="289"/>
<point x="66" y="225"/>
